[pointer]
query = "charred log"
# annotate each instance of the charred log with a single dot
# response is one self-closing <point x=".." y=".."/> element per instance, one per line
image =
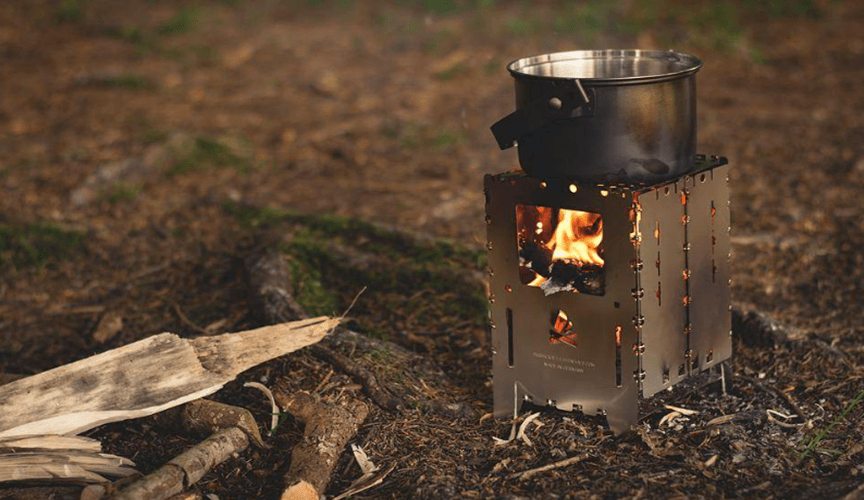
<point x="535" y="257"/>
<point x="567" y="277"/>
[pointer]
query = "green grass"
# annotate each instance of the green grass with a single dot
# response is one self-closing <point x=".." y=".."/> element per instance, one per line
<point x="522" y="26"/>
<point x="446" y="140"/>
<point x="814" y="442"/>
<point x="132" y="34"/>
<point x="440" y="6"/>
<point x="717" y="26"/>
<point x="206" y="153"/>
<point x="451" y="72"/>
<point x="440" y="41"/>
<point x="37" y="244"/>
<point x="69" y="11"/>
<point x="784" y="8"/>
<point x="586" y="19"/>
<point x="120" y="192"/>
<point x="308" y="288"/>
<point x="493" y="66"/>
<point x="182" y="22"/>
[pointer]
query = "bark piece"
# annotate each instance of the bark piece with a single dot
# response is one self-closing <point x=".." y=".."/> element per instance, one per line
<point x="143" y="378"/>
<point x="327" y="429"/>
<point x="187" y="468"/>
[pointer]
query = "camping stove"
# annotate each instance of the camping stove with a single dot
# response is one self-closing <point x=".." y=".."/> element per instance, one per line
<point x="602" y="293"/>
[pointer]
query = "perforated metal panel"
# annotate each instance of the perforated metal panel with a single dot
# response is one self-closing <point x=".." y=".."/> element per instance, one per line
<point x="526" y="366"/>
<point x="708" y="236"/>
<point x="662" y="278"/>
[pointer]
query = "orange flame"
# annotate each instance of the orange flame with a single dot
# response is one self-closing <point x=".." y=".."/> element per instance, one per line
<point x="562" y="329"/>
<point x="577" y="237"/>
<point x="571" y="235"/>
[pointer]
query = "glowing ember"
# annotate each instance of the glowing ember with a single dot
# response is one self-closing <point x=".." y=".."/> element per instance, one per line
<point x="560" y="249"/>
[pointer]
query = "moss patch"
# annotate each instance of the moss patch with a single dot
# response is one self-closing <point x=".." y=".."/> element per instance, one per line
<point x="206" y="152"/>
<point x="37" y="245"/>
<point x="412" y="285"/>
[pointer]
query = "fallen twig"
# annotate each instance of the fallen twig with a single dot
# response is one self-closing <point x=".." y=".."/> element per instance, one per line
<point x="187" y="468"/>
<point x="270" y="284"/>
<point x="327" y="429"/>
<point x="521" y="476"/>
<point x="364" y="483"/>
<point x="204" y="417"/>
<point x="367" y="379"/>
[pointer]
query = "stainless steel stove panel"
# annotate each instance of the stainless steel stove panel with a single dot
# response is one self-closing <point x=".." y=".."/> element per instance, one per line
<point x="663" y="263"/>
<point x="526" y="366"/>
<point x="709" y="256"/>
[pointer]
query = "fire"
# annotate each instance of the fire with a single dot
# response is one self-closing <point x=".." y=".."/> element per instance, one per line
<point x="562" y="329"/>
<point x="551" y="235"/>
<point x="577" y="237"/>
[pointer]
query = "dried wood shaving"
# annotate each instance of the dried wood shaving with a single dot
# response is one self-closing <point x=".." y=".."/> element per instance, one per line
<point x="682" y="411"/>
<point x="668" y="418"/>
<point x="524" y="427"/>
<point x="366" y="465"/>
<point x="274" y="408"/>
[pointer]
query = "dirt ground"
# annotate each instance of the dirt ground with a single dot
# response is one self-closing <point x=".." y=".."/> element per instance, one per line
<point x="146" y="146"/>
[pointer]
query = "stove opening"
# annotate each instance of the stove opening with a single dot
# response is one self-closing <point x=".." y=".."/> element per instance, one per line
<point x="560" y="250"/>
<point x="561" y="329"/>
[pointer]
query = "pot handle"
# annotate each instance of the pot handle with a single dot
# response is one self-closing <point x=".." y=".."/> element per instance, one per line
<point x="560" y="103"/>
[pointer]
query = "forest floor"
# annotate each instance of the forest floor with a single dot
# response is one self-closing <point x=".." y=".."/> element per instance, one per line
<point x="146" y="147"/>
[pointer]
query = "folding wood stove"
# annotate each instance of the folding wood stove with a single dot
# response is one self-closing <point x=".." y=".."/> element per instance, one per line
<point x="604" y="294"/>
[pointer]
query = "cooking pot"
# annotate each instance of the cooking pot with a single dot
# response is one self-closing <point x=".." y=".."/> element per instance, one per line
<point x="604" y="116"/>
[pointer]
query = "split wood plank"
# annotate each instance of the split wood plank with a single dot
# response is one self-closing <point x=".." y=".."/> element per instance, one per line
<point x="144" y="378"/>
<point x="72" y="459"/>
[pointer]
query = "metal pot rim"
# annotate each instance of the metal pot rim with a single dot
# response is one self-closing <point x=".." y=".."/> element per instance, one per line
<point x="682" y="65"/>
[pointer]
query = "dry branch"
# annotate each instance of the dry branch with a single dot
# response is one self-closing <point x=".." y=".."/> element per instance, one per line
<point x="521" y="476"/>
<point x="143" y="378"/>
<point x="327" y="429"/>
<point x="187" y="468"/>
<point x="270" y="284"/>
<point x="204" y="417"/>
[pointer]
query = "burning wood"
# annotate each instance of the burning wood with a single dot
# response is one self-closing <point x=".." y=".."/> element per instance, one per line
<point x="560" y="250"/>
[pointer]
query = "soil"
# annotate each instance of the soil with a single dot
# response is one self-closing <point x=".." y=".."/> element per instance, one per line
<point x="149" y="146"/>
